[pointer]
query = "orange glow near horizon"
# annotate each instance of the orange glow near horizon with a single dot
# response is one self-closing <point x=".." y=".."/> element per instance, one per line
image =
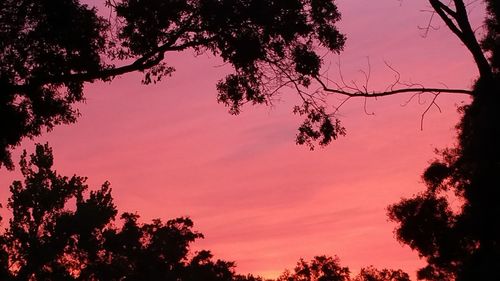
<point x="260" y="200"/>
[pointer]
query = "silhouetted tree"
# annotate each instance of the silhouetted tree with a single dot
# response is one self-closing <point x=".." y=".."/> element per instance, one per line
<point x="460" y="237"/>
<point x="320" y="268"/>
<point x="249" y="277"/>
<point x="325" y="268"/>
<point x="45" y="240"/>
<point x="373" y="274"/>
<point x="58" y="233"/>
<point x="49" y="49"/>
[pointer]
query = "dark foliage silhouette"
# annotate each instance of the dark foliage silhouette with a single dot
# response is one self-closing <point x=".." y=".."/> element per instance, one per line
<point x="453" y="224"/>
<point x="325" y="268"/>
<point x="321" y="268"/>
<point x="373" y="274"/>
<point x="463" y="244"/>
<point x="57" y="232"/>
<point x="491" y="41"/>
<point x="49" y="49"/>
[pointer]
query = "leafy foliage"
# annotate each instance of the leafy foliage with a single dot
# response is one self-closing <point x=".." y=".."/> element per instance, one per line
<point x="325" y="268"/>
<point x="49" y="49"/>
<point x="318" y="126"/>
<point x="321" y="268"/>
<point x="58" y="233"/>
<point x="39" y="41"/>
<point x="492" y="38"/>
<point x="373" y="274"/>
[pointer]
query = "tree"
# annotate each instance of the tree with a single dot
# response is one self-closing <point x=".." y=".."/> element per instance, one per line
<point x="373" y="274"/>
<point x="320" y="268"/>
<point x="58" y="233"/>
<point x="461" y="241"/>
<point x="325" y="268"/>
<point x="49" y="49"/>
<point x="45" y="239"/>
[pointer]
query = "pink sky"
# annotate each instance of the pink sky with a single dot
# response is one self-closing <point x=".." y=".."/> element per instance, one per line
<point x="171" y="150"/>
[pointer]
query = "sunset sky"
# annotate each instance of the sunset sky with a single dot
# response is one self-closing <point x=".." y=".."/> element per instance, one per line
<point x="260" y="200"/>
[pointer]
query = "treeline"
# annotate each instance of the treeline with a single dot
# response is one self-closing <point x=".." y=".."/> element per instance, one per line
<point x="60" y="230"/>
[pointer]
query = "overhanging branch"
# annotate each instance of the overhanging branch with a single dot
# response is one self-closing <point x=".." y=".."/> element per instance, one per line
<point x="373" y="94"/>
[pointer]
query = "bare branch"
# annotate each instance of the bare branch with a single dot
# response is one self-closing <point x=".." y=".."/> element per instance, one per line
<point x="429" y="24"/>
<point x="364" y="108"/>
<point x="431" y="104"/>
<point x="373" y="94"/>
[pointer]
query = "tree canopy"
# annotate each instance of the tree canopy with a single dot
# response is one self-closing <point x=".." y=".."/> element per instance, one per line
<point x="49" y="49"/>
<point x="327" y="268"/>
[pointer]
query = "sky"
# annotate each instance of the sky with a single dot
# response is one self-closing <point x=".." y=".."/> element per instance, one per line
<point x="171" y="150"/>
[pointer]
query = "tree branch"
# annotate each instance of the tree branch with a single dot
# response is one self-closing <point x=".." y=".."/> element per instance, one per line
<point x="463" y="30"/>
<point x="441" y="9"/>
<point x="144" y="62"/>
<point x="374" y="94"/>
